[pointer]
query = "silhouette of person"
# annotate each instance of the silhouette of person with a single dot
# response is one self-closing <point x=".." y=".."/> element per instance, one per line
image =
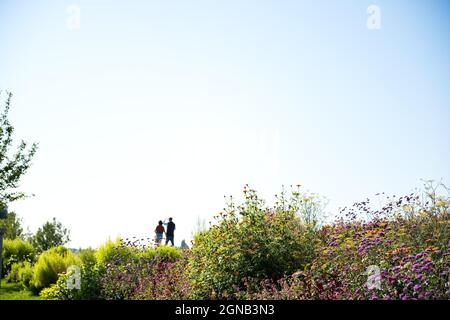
<point x="170" y="231"/>
<point x="159" y="232"/>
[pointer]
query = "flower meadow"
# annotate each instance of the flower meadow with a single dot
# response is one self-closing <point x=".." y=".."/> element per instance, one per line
<point x="394" y="248"/>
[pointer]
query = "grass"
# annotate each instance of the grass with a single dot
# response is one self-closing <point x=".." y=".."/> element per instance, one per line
<point x="14" y="291"/>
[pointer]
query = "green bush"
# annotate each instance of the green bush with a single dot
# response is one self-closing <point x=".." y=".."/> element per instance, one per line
<point x="49" y="293"/>
<point x="93" y="263"/>
<point x="251" y="241"/>
<point x="110" y="256"/>
<point x="13" y="275"/>
<point x="25" y="276"/>
<point x="21" y="272"/>
<point x="50" y="264"/>
<point x="172" y="253"/>
<point x="16" y="250"/>
<point x="168" y="252"/>
<point x="87" y="257"/>
<point x="111" y="249"/>
<point x="89" y="272"/>
<point x="89" y="286"/>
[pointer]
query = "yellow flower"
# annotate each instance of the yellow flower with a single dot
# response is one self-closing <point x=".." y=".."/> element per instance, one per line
<point x="442" y="203"/>
<point x="407" y="207"/>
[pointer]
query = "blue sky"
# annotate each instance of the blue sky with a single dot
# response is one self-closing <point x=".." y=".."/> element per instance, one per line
<point x="160" y="108"/>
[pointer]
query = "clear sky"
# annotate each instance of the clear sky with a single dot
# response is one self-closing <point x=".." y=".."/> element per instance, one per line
<point x="158" y="108"/>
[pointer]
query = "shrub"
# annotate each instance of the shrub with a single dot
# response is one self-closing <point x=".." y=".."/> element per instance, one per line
<point x="164" y="279"/>
<point x="154" y="277"/>
<point x="112" y="250"/>
<point x="93" y="264"/>
<point x="87" y="257"/>
<point x="25" y="276"/>
<point x="21" y="272"/>
<point x="406" y="240"/>
<point x="16" y="250"/>
<point x="120" y="267"/>
<point x="124" y="265"/>
<point x="169" y="252"/>
<point x="251" y="241"/>
<point x="50" y="264"/>
<point x="13" y="275"/>
<point x="49" y="293"/>
<point x="89" y="286"/>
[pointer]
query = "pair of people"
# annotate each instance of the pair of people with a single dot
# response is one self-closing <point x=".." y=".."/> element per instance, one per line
<point x="169" y="232"/>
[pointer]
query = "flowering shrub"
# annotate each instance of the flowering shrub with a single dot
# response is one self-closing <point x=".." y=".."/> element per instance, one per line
<point x="407" y="240"/>
<point x="164" y="279"/>
<point x="424" y="275"/>
<point x="148" y="274"/>
<point x="124" y="269"/>
<point x="251" y="241"/>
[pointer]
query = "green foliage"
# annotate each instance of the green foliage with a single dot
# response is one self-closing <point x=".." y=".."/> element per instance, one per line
<point x="16" y="250"/>
<point x="111" y="257"/>
<point x="51" y="234"/>
<point x="106" y="252"/>
<point x="13" y="275"/>
<point x="89" y="286"/>
<point x="100" y="267"/>
<point x="49" y="293"/>
<point x="87" y="257"/>
<point x="13" y="165"/>
<point x="21" y="272"/>
<point x="93" y="263"/>
<point x="170" y="252"/>
<point x="50" y="264"/>
<point x="89" y="273"/>
<point x="25" y="276"/>
<point x="251" y="241"/>
<point x="12" y="226"/>
<point x="145" y="274"/>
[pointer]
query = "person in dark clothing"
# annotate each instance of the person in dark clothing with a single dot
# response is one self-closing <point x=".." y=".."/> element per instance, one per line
<point x="170" y="231"/>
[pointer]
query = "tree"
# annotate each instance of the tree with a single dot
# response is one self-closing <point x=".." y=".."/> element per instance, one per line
<point x="13" y="165"/>
<point x="12" y="226"/>
<point x="51" y="234"/>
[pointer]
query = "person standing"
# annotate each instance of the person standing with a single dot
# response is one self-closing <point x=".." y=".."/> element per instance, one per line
<point x="159" y="232"/>
<point x="170" y="232"/>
